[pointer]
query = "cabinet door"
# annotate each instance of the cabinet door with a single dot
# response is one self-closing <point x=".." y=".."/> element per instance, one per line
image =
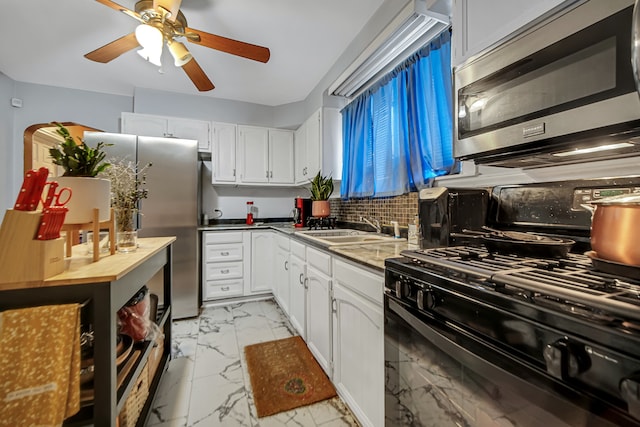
<point x="358" y="354"/>
<point x="281" y="156"/>
<point x="298" y="294"/>
<point x="331" y="144"/>
<point x="191" y="129"/>
<point x="144" y="125"/>
<point x="300" y="150"/>
<point x="479" y="24"/>
<point x="281" y="285"/>
<point x="223" y="152"/>
<point x="319" y="317"/>
<point x="313" y="145"/>
<point x="262" y="257"/>
<point x="254" y="153"/>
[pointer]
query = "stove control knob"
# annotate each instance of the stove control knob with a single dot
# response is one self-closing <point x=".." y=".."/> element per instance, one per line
<point x="425" y="299"/>
<point x="630" y="392"/>
<point x="566" y="360"/>
<point x="403" y="289"/>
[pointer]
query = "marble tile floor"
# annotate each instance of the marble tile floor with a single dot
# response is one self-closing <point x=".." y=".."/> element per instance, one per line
<point x="207" y="383"/>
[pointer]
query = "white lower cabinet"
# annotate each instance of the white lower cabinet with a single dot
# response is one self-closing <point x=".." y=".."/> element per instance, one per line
<point x="262" y="261"/>
<point x="358" y="341"/>
<point x="319" y="307"/>
<point x="224" y="264"/>
<point x="281" y="285"/>
<point x="298" y="287"/>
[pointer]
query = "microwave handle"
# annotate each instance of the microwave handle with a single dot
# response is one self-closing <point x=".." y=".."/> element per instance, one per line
<point x="635" y="44"/>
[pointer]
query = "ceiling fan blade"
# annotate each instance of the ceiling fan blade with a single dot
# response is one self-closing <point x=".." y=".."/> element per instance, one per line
<point x="114" y="49"/>
<point x="119" y="8"/>
<point x="173" y="6"/>
<point x="197" y="76"/>
<point x="234" y="47"/>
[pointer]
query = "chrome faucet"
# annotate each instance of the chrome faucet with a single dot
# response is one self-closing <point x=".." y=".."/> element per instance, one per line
<point x="375" y="224"/>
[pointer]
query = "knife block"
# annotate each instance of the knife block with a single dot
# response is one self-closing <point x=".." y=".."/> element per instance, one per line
<point x="22" y="257"/>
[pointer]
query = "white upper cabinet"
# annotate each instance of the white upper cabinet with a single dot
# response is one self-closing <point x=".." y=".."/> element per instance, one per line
<point x="254" y="153"/>
<point x="280" y="156"/>
<point x="172" y="127"/>
<point x="478" y="24"/>
<point x="319" y="145"/>
<point x="266" y="155"/>
<point x="300" y="149"/>
<point x="223" y="152"/>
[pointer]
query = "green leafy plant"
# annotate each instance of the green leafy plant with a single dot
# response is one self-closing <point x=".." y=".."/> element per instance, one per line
<point x="321" y="187"/>
<point x="78" y="159"/>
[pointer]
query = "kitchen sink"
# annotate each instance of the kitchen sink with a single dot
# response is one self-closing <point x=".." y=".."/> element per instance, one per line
<point x="344" y="236"/>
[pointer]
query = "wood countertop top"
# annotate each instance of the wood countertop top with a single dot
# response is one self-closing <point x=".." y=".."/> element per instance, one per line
<point x="79" y="268"/>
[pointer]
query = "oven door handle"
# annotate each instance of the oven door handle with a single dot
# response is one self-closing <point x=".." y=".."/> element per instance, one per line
<point x="635" y="40"/>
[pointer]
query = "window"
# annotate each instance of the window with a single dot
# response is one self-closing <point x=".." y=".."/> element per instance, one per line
<point x="398" y="135"/>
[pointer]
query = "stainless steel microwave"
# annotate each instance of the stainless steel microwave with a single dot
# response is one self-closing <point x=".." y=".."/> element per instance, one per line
<point x="561" y="92"/>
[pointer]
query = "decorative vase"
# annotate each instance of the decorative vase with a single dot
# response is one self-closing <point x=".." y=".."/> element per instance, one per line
<point x="126" y="233"/>
<point x="320" y="208"/>
<point x="87" y="193"/>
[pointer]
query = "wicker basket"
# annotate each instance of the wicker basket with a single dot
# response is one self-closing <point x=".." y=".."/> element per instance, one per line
<point x="155" y="355"/>
<point x="136" y="400"/>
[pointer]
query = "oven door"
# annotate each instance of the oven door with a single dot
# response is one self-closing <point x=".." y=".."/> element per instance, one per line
<point x="439" y="375"/>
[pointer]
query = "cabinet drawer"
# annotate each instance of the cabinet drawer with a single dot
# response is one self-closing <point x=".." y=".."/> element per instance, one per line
<point x="226" y="237"/>
<point x="225" y="252"/>
<point x="359" y="280"/>
<point x="222" y="288"/>
<point x="297" y="249"/>
<point x="319" y="260"/>
<point x="224" y="270"/>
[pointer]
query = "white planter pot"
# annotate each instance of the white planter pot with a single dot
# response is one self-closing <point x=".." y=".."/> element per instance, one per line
<point x="87" y="194"/>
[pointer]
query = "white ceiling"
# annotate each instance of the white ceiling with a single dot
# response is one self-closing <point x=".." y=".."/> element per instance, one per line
<point x="44" y="42"/>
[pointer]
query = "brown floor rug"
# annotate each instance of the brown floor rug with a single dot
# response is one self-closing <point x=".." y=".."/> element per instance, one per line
<point x="284" y="375"/>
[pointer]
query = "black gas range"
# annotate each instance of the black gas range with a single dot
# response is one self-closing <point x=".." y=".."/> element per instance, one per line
<point x="476" y="334"/>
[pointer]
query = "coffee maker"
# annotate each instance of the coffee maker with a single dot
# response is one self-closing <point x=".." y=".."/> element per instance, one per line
<point x="301" y="211"/>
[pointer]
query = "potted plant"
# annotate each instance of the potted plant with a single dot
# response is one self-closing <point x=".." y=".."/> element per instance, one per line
<point x="127" y="189"/>
<point x="321" y="189"/>
<point x="81" y="165"/>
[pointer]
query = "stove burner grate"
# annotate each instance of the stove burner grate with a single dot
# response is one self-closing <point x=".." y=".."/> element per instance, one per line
<point x="570" y="284"/>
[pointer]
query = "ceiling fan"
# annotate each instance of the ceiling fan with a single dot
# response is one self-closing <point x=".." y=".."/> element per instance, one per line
<point x="161" y="22"/>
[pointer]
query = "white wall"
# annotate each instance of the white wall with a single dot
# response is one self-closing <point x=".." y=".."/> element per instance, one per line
<point x="7" y="145"/>
<point x="271" y="202"/>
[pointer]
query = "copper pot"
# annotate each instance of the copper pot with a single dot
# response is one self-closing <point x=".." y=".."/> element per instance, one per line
<point x="615" y="228"/>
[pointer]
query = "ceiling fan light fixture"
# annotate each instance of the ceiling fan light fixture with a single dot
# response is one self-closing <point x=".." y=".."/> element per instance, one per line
<point x="180" y="53"/>
<point x="151" y="56"/>
<point x="150" y="38"/>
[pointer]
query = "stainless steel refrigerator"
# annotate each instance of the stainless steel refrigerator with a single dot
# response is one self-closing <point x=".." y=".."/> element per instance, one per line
<point x="171" y="208"/>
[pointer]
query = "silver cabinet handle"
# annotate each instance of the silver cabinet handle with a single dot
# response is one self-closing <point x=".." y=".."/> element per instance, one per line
<point x="300" y="279"/>
<point x="334" y="305"/>
<point x="267" y="174"/>
<point x="635" y="35"/>
<point x="286" y="265"/>
<point x="234" y="172"/>
<point x="225" y="253"/>
<point x="306" y="283"/>
<point x="225" y="288"/>
<point x="225" y="271"/>
<point x="271" y="174"/>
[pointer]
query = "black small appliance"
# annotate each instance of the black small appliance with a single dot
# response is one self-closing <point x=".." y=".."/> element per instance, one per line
<point x="446" y="213"/>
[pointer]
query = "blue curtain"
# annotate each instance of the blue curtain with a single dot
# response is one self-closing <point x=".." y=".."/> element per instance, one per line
<point x="398" y="135"/>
